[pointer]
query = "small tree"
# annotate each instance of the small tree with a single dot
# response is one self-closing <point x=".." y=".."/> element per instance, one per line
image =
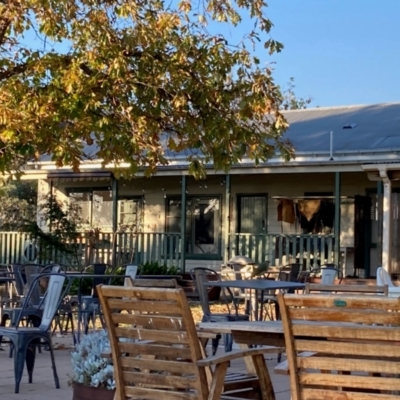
<point x="59" y="244"/>
<point x="18" y="205"/>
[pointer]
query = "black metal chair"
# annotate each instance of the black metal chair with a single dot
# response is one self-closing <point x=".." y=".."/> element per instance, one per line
<point x="25" y="339"/>
<point x="201" y="275"/>
<point x="288" y="273"/>
<point x="90" y="304"/>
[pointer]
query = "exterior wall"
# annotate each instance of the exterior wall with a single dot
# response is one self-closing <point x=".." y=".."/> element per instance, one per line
<point x="154" y="190"/>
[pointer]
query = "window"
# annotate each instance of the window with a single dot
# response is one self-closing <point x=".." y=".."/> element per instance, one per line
<point x="91" y="207"/>
<point x="252" y="212"/>
<point x="129" y="213"/>
<point x="203" y="221"/>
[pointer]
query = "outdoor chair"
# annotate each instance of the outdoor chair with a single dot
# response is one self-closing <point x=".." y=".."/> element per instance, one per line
<point x="89" y="306"/>
<point x="383" y="278"/>
<point x="288" y="273"/>
<point x="342" y="347"/>
<point x="24" y="339"/>
<point x="327" y="273"/>
<point x="346" y="289"/>
<point x="166" y="361"/>
<point x="200" y="276"/>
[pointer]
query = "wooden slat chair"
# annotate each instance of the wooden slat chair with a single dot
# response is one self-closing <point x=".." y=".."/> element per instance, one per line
<point x="354" y="345"/>
<point x="348" y="289"/>
<point x="166" y="360"/>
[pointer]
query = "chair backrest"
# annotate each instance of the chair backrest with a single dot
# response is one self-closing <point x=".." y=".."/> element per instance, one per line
<point x="328" y="273"/>
<point x="98" y="269"/>
<point x="383" y="278"/>
<point x="354" y="344"/>
<point x="32" y="284"/>
<point x="19" y="283"/>
<point x="210" y="293"/>
<point x="131" y="271"/>
<point x="57" y="289"/>
<point x="348" y="289"/>
<point x="51" y="268"/>
<point x="199" y="276"/>
<point x="290" y="272"/>
<point x="162" y="362"/>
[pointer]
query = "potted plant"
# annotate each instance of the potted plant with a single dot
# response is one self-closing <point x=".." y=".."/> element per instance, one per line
<point x="93" y="374"/>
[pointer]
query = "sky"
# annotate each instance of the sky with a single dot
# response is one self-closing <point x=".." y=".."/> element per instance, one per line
<point x="340" y="52"/>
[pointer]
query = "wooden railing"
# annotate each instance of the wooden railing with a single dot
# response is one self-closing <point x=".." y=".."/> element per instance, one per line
<point x="309" y="250"/>
<point x="111" y="248"/>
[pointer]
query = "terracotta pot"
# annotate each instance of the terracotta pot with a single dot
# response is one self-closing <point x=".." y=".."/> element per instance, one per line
<point x="82" y="392"/>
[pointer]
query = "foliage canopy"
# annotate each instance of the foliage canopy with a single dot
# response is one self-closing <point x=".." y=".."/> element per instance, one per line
<point x="143" y="79"/>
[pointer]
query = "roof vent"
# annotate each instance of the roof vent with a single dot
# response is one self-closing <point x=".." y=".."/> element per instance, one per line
<point x="349" y="126"/>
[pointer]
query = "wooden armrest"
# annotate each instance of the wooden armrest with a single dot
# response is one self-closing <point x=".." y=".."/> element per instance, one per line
<point x="232" y="355"/>
<point x="283" y="367"/>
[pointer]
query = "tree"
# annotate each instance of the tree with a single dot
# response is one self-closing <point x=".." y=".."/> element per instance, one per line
<point x="289" y="99"/>
<point x="18" y="205"/>
<point x="143" y="79"/>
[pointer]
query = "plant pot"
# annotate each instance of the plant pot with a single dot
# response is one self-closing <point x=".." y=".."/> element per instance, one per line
<point x="83" y="392"/>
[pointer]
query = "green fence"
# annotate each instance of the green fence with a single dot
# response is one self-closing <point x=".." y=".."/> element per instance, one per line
<point x="279" y="249"/>
<point x="111" y="248"/>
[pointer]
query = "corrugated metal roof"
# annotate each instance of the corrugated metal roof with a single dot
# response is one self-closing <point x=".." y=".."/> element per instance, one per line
<point x="377" y="128"/>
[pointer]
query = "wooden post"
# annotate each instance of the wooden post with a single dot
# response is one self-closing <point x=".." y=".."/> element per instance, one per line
<point x="337" y="217"/>
<point x="183" y="223"/>
<point x="114" y="188"/>
<point x="227" y="225"/>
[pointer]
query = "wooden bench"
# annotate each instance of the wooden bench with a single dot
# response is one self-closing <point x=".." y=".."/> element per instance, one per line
<point x="352" y="344"/>
<point x="347" y="289"/>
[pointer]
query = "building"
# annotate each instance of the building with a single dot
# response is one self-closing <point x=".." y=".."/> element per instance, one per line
<point x="337" y="201"/>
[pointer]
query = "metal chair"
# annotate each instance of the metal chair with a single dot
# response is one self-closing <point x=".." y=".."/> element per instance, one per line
<point x="327" y="273"/>
<point x="89" y="306"/>
<point x="201" y="275"/>
<point x="25" y="339"/>
<point x="288" y="273"/>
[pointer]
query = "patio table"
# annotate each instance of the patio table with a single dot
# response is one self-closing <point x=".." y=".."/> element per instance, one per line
<point x="258" y="285"/>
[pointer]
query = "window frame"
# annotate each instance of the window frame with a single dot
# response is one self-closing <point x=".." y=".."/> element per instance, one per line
<point x="90" y="191"/>
<point x="239" y="197"/>
<point x="197" y="256"/>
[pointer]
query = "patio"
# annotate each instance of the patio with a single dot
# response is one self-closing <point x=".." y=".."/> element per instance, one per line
<point x="43" y="382"/>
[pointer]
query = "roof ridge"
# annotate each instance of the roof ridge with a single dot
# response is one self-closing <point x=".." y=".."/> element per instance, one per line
<point x="353" y="106"/>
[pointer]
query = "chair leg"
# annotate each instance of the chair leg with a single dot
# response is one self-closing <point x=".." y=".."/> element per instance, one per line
<point x="214" y="344"/>
<point x="228" y="342"/>
<point x="53" y="364"/>
<point x="19" y="360"/>
<point x="30" y="359"/>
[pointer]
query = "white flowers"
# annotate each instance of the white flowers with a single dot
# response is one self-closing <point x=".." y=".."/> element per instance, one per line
<point x="89" y="367"/>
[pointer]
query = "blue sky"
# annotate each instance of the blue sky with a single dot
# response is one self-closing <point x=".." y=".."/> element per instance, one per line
<point x="340" y="52"/>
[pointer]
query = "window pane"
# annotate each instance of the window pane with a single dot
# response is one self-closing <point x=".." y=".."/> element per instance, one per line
<point x="253" y="214"/>
<point x="174" y="215"/>
<point x="205" y="226"/>
<point x="128" y="216"/>
<point x="102" y="209"/>
<point x="80" y="207"/>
